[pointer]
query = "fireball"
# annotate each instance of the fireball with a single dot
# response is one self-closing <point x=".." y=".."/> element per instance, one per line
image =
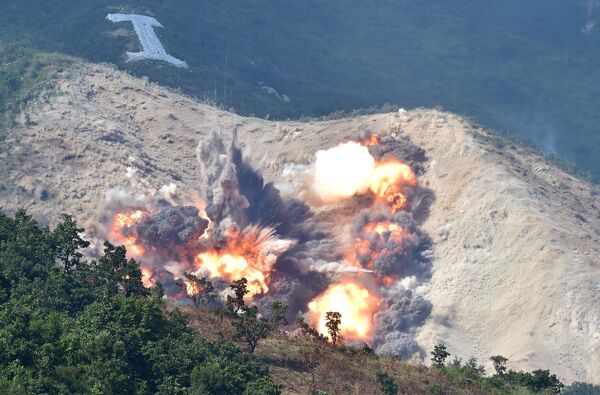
<point x="342" y="172"/>
<point x="349" y="169"/>
<point x="250" y="254"/>
<point x="124" y="221"/>
<point x="388" y="180"/>
<point x="147" y="279"/>
<point x="354" y="302"/>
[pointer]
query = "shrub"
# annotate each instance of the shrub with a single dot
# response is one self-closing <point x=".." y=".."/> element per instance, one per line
<point x="387" y="385"/>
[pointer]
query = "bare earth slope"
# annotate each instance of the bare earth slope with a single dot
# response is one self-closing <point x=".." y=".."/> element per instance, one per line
<point x="516" y="256"/>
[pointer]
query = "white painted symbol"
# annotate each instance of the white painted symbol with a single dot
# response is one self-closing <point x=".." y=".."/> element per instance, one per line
<point x="152" y="48"/>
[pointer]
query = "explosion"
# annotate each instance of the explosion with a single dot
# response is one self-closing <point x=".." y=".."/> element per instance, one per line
<point x="250" y="254"/>
<point x="349" y="169"/>
<point x="147" y="279"/>
<point x="342" y="172"/>
<point x="388" y="181"/>
<point x="243" y="228"/>
<point x="356" y="304"/>
<point x="367" y="247"/>
<point x="126" y="220"/>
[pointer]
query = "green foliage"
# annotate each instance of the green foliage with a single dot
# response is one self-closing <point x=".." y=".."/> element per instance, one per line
<point x="251" y="328"/>
<point x="262" y="386"/>
<point x="439" y="355"/>
<point x="435" y="389"/>
<point x="278" y="311"/>
<point x="508" y="381"/>
<point x="218" y="375"/>
<point x="92" y="327"/>
<point x="333" y="321"/>
<point x="201" y="289"/>
<point x="537" y="381"/>
<point x="67" y="242"/>
<point x="470" y="369"/>
<point x="499" y="364"/>
<point x="578" y="388"/>
<point x="116" y="273"/>
<point x="236" y="302"/>
<point x="387" y="385"/>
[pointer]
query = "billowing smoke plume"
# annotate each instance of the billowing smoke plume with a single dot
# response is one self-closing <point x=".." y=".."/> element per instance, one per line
<point x="169" y="226"/>
<point x="360" y="252"/>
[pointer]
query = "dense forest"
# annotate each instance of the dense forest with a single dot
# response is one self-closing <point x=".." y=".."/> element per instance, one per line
<point x="70" y="326"/>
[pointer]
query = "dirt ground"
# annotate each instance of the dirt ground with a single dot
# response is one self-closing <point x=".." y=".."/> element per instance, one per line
<point x="516" y="241"/>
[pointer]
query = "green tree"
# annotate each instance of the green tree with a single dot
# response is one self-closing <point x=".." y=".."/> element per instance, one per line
<point x="235" y="303"/>
<point x="333" y="321"/>
<point x="158" y="290"/>
<point x="117" y="273"/>
<point x="387" y="384"/>
<point x="198" y="289"/>
<point x="278" y="311"/>
<point x="251" y="328"/>
<point x="63" y="333"/>
<point x="499" y="364"/>
<point x="66" y="243"/>
<point x="439" y="355"/>
<point x="262" y="386"/>
<point x="537" y="381"/>
<point x="579" y="388"/>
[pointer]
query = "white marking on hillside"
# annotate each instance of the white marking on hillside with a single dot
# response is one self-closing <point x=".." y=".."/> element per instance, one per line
<point x="152" y="49"/>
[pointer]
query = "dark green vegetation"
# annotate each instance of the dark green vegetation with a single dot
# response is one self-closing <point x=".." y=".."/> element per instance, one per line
<point x="509" y="381"/>
<point x="69" y="326"/>
<point x="526" y="68"/>
<point x="23" y="74"/>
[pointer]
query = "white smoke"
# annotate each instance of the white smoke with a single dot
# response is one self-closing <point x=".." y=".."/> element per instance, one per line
<point x="342" y="172"/>
<point x="321" y="266"/>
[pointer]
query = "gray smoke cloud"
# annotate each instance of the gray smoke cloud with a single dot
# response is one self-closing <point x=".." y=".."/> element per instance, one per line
<point x="171" y="225"/>
<point x="237" y="197"/>
<point x="402" y="312"/>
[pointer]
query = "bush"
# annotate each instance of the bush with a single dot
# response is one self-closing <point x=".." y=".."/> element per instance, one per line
<point x="387" y="385"/>
<point x="262" y="386"/>
<point x="69" y="326"/>
<point x="578" y="388"/>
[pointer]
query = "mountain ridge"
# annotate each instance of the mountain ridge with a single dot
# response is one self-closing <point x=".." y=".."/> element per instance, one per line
<point x="515" y="239"/>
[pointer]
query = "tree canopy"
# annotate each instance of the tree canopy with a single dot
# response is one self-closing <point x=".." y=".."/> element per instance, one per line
<point x="72" y="326"/>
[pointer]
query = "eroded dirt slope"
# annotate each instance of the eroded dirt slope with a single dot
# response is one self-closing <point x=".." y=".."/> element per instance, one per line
<point x="516" y="241"/>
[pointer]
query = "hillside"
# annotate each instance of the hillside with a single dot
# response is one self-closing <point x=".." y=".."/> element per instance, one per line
<point x="515" y="241"/>
<point x="528" y="69"/>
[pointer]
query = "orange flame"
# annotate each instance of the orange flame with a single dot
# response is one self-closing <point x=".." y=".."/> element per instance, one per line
<point x="388" y="180"/>
<point x="354" y="302"/>
<point x="250" y="254"/>
<point x="127" y="220"/>
<point x="147" y="279"/>
<point x="231" y="266"/>
<point x="395" y="231"/>
<point x="349" y="169"/>
<point x="372" y="139"/>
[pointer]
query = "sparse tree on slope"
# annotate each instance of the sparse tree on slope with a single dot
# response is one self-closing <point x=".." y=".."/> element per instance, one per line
<point x="251" y="328"/>
<point x="439" y="355"/>
<point x="499" y="364"/>
<point x="235" y="303"/>
<point x="333" y="321"/>
<point x="199" y="289"/>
